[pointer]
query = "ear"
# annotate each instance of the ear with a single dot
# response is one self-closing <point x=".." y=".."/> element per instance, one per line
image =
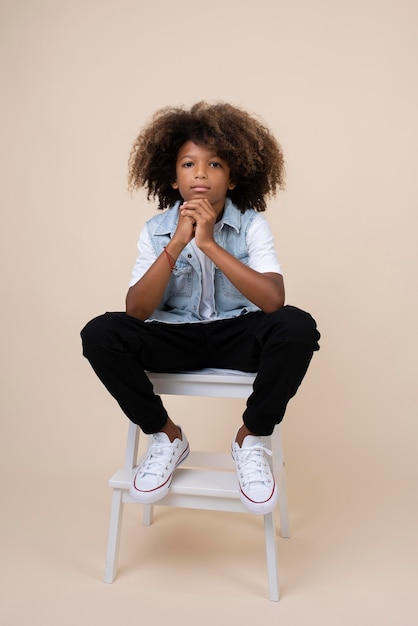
<point x="175" y="185"/>
<point x="231" y="186"/>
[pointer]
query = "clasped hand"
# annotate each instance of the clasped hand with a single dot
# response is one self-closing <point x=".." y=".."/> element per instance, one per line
<point x="197" y="220"/>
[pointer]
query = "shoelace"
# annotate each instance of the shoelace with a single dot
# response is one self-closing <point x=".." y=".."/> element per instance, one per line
<point x="158" y="459"/>
<point x="252" y="465"/>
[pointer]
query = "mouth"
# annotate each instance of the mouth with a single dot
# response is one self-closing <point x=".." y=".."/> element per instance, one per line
<point x="200" y="188"/>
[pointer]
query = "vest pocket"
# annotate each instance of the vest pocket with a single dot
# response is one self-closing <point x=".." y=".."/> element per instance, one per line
<point x="181" y="280"/>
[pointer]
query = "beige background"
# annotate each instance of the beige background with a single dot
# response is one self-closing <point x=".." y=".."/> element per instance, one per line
<point x="337" y="82"/>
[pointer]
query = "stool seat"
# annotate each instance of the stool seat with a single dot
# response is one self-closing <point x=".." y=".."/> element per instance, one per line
<point x="209" y="382"/>
<point x="205" y="480"/>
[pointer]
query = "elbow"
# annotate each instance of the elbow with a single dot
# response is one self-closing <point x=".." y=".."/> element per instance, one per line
<point x="274" y="294"/>
<point x="135" y="312"/>
<point x="275" y="301"/>
<point x="134" y="309"/>
<point x="273" y="305"/>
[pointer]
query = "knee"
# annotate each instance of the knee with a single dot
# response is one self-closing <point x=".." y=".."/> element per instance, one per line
<point x="298" y="325"/>
<point x="92" y="333"/>
<point x="98" y="331"/>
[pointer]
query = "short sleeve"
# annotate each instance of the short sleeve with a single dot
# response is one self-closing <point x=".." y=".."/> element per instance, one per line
<point x="146" y="257"/>
<point x="262" y="252"/>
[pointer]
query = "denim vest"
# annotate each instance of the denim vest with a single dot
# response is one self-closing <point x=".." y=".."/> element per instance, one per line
<point x="180" y="302"/>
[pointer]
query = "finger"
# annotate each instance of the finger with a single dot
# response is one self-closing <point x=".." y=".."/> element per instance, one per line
<point x="197" y="204"/>
<point x="198" y="211"/>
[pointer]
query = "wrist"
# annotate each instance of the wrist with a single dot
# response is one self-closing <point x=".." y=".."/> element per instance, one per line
<point x="208" y="247"/>
<point x="170" y="259"/>
<point x="174" y="248"/>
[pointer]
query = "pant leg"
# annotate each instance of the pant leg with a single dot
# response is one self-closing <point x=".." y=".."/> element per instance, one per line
<point x="120" y="347"/>
<point x="279" y="347"/>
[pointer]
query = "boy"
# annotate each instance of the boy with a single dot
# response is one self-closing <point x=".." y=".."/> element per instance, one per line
<point x="206" y="291"/>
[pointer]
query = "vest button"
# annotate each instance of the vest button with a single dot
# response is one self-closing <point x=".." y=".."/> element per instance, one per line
<point x="189" y="256"/>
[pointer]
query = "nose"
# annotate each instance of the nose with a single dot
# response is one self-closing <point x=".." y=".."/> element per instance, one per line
<point x="200" y="171"/>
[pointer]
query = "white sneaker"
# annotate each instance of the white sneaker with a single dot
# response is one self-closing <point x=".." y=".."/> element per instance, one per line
<point x="258" y="489"/>
<point x="152" y="478"/>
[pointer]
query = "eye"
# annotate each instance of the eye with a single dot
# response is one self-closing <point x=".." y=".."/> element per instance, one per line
<point x="187" y="164"/>
<point x="215" y="164"/>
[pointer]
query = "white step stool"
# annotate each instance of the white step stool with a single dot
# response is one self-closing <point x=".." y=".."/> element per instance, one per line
<point x="195" y="484"/>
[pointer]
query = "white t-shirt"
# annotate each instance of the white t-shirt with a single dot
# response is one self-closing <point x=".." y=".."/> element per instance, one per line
<point x="262" y="258"/>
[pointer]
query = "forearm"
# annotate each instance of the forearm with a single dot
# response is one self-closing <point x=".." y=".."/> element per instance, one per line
<point x="144" y="297"/>
<point x="264" y="290"/>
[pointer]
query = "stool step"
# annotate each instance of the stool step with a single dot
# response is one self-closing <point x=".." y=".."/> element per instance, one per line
<point x="191" y="488"/>
<point x="209" y="460"/>
<point x="189" y="481"/>
<point x="205" y="482"/>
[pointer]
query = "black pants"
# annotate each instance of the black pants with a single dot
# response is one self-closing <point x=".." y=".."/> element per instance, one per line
<point x="278" y="346"/>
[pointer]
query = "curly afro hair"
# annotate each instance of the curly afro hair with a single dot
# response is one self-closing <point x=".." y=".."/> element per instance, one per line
<point x="253" y="155"/>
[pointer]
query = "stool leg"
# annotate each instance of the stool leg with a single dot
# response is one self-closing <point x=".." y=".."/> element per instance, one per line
<point x="132" y="446"/>
<point x="148" y="509"/>
<point x="114" y="536"/>
<point x="280" y="475"/>
<point x="148" y="514"/>
<point x="271" y="554"/>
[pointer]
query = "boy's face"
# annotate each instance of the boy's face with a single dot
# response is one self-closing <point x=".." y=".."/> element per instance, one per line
<point x="200" y="173"/>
